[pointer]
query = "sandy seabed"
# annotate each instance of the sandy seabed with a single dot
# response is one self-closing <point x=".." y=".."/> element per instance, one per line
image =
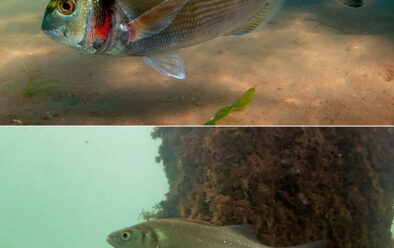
<point x="317" y="62"/>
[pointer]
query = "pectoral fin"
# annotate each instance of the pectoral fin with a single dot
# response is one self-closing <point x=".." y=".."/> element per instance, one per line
<point x="154" y="20"/>
<point x="168" y="64"/>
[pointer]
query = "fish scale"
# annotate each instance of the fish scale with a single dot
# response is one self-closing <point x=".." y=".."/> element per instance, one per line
<point x="193" y="234"/>
<point x="154" y="29"/>
<point x="198" y="21"/>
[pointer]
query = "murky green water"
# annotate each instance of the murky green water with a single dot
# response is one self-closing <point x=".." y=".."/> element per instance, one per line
<point x="71" y="187"/>
<point x="317" y="62"/>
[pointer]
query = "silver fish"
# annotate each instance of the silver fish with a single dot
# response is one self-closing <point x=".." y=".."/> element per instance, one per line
<point x="185" y="233"/>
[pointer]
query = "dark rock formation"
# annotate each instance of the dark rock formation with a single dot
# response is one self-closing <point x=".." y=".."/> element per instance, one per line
<point x="294" y="185"/>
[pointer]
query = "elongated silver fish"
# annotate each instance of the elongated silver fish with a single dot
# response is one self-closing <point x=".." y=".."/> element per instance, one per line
<point x="184" y="233"/>
<point x="153" y="29"/>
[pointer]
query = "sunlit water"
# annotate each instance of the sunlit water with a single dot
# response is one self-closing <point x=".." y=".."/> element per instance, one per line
<point x="71" y="187"/>
<point x="317" y="62"/>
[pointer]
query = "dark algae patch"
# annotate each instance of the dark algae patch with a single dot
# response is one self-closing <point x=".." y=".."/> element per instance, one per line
<point x="295" y="185"/>
<point x="237" y="106"/>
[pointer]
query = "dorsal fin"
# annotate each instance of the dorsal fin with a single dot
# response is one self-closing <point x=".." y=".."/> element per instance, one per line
<point x="245" y="230"/>
<point x="153" y="21"/>
<point x="201" y="222"/>
<point x="261" y="19"/>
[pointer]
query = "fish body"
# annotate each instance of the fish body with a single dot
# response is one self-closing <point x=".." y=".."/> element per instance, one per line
<point x="102" y="24"/>
<point x="154" y="29"/>
<point x="196" y="22"/>
<point x="181" y="233"/>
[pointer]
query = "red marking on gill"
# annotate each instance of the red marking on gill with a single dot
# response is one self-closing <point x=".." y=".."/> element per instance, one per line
<point x="103" y="26"/>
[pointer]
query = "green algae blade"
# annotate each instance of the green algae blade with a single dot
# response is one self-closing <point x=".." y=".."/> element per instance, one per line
<point x="244" y="100"/>
<point x="237" y="106"/>
<point x="33" y="88"/>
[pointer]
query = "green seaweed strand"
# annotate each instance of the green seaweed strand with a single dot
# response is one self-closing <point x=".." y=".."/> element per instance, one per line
<point x="237" y="106"/>
<point x="33" y="88"/>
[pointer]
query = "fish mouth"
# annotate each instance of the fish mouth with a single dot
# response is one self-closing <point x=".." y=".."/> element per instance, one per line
<point x="54" y="34"/>
<point x="109" y="241"/>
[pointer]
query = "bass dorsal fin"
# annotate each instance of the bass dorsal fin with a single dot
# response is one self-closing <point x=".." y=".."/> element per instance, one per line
<point x="245" y="230"/>
<point x="180" y="220"/>
<point x="201" y="222"/>
<point x="261" y="19"/>
<point x="249" y="232"/>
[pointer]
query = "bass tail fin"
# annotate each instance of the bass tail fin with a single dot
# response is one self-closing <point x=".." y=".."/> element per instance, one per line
<point x="261" y="19"/>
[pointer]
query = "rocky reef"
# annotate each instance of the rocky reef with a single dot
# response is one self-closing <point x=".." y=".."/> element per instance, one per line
<point x="294" y="185"/>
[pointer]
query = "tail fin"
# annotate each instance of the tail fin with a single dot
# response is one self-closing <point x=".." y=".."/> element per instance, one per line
<point x="317" y="244"/>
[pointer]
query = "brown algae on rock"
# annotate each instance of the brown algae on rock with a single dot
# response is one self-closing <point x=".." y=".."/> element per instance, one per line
<point x="295" y="185"/>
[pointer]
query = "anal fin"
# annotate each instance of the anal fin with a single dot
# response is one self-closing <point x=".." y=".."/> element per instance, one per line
<point x="169" y="64"/>
<point x="261" y="19"/>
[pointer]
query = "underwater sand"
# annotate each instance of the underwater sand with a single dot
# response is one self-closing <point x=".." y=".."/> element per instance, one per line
<point x="317" y="62"/>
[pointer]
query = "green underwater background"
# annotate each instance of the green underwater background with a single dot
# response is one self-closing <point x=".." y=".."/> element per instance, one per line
<point x="71" y="187"/>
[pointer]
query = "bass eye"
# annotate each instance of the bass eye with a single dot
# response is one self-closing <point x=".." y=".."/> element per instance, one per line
<point x="66" y="7"/>
<point x="125" y="236"/>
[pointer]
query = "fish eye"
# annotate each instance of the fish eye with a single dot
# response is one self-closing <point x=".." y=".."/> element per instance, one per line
<point x="66" y="7"/>
<point x="125" y="236"/>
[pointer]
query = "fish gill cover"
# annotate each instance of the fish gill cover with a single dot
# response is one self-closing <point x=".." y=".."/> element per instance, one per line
<point x="293" y="184"/>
